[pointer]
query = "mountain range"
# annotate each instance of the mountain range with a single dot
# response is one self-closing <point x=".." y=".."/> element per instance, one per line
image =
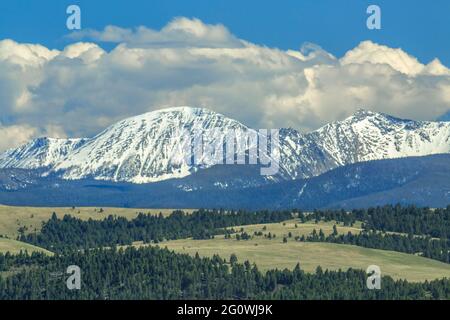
<point x="141" y="149"/>
<point x="317" y="169"/>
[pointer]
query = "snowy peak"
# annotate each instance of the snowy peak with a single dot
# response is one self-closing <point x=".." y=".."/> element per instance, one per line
<point x="138" y="149"/>
<point x="363" y="113"/>
<point x="377" y="118"/>
<point x="144" y="148"/>
<point x="363" y="136"/>
<point x="39" y="153"/>
<point x="372" y="136"/>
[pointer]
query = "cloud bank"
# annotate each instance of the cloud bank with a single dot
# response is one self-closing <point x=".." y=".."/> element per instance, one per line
<point x="78" y="91"/>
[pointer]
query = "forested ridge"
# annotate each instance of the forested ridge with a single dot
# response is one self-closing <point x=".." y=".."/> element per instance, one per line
<point x="420" y="231"/>
<point x="154" y="273"/>
<point x="410" y="229"/>
<point x="438" y="249"/>
<point x="403" y="219"/>
<point x="71" y="232"/>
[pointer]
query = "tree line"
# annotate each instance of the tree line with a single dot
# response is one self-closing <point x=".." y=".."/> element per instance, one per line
<point x="71" y="232"/>
<point x="404" y="219"/>
<point x="155" y="273"/>
<point x="438" y="249"/>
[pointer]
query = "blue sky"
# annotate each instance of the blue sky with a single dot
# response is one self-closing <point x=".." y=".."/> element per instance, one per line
<point x="422" y="28"/>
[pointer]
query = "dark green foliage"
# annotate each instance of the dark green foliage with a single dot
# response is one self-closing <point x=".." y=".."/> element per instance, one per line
<point x="424" y="231"/>
<point x="153" y="273"/>
<point x="438" y="249"/>
<point x="410" y="219"/>
<point x="69" y="232"/>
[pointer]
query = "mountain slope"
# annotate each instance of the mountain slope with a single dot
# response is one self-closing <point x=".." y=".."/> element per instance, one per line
<point x="423" y="181"/>
<point x="365" y="136"/>
<point x="144" y="148"/>
<point x="140" y="149"/>
<point x="39" y="153"/>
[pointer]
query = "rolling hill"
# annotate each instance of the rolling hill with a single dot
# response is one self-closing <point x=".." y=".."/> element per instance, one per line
<point x="274" y="254"/>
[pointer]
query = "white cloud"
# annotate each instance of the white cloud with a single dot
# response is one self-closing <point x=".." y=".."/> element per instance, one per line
<point x="88" y="52"/>
<point x="25" y="54"/>
<point x="180" y="32"/>
<point x="369" y="52"/>
<point x="14" y="135"/>
<point x="78" y="91"/>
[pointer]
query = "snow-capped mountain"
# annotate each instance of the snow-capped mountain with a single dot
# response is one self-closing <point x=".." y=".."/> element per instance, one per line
<point x="362" y="137"/>
<point x="141" y="149"/>
<point x="145" y="148"/>
<point x="40" y="153"/>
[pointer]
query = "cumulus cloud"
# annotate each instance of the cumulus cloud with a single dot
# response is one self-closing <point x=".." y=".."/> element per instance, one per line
<point x="14" y="135"/>
<point x="369" y="52"/>
<point x="78" y="91"/>
<point x="180" y="32"/>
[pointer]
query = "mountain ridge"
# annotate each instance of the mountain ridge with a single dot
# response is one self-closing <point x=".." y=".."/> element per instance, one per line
<point x="420" y="181"/>
<point x="141" y="149"/>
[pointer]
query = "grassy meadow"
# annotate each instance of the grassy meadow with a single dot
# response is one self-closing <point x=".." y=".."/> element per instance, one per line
<point x="266" y="253"/>
<point x="13" y="218"/>
<point x="274" y="253"/>
<point x="14" y="246"/>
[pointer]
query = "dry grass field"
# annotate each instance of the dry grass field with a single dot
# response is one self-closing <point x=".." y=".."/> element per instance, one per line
<point x="13" y="218"/>
<point x="273" y="253"/>
<point x="13" y="246"/>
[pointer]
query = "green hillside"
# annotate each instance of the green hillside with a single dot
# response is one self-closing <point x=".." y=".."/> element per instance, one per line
<point x="273" y="253"/>
<point x="14" y="246"/>
<point x="31" y="218"/>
